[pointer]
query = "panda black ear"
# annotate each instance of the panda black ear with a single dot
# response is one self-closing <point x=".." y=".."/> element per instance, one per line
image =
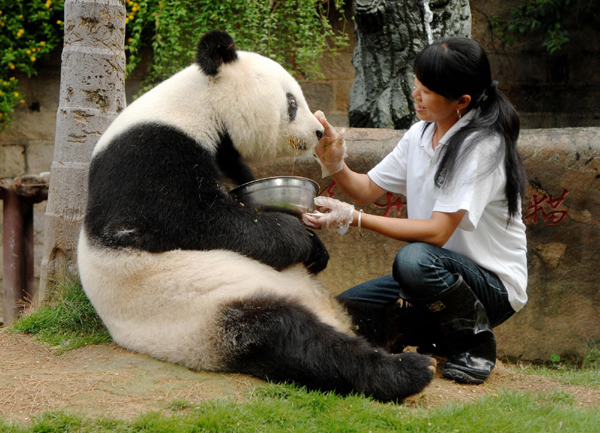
<point x="214" y="49"/>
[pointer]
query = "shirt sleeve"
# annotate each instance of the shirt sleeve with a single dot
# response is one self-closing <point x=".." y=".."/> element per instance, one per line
<point x="474" y="186"/>
<point x="390" y="173"/>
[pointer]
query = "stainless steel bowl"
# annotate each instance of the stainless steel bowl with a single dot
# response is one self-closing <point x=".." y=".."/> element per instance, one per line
<point x="285" y="193"/>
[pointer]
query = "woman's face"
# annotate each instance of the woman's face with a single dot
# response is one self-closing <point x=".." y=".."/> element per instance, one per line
<point x="431" y="106"/>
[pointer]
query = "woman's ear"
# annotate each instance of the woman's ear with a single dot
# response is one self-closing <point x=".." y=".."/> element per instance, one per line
<point x="463" y="102"/>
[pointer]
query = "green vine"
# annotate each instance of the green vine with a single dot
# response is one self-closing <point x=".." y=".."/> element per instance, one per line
<point x="552" y="18"/>
<point x="29" y="31"/>
<point x="295" y="33"/>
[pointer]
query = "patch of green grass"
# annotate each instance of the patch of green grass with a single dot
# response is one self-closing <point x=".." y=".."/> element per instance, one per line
<point x="67" y="322"/>
<point x="179" y="405"/>
<point x="588" y="377"/>
<point x="570" y="370"/>
<point x="284" y="408"/>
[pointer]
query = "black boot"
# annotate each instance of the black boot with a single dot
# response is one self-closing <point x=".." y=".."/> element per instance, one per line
<point x="465" y="330"/>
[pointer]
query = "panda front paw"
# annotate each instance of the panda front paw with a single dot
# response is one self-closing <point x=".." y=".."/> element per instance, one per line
<point x="319" y="256"/>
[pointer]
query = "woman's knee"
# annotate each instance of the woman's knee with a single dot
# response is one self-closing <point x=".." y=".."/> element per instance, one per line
<point x="412" y="264"/>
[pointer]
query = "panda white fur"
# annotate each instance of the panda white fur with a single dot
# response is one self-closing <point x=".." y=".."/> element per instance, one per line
<point x="178" y="270"/>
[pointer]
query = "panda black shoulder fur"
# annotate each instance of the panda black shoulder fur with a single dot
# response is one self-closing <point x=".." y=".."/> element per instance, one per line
<point x="180" y="271"/>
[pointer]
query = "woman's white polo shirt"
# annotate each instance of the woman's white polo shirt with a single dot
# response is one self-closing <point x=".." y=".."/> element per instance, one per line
<point x="482" y="235"/>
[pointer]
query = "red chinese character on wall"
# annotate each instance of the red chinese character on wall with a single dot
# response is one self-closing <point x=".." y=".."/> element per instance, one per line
<point x="556" y="216"/>
<point x="552" y="218"/>
<point x="329" y="190"/>
<point x="390" y="204"/>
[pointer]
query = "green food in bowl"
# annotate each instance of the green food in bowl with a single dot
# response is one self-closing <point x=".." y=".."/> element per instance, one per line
<point x="285" y="193"/>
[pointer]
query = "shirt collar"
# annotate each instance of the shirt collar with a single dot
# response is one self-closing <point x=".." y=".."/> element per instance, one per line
<point x="459" y="124"/>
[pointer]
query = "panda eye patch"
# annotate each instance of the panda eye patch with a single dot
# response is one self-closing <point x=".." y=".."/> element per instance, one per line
<point x="292" y="106"/>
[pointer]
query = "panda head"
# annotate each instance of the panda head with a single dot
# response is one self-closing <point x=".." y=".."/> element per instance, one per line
<point x="258" y="103"/>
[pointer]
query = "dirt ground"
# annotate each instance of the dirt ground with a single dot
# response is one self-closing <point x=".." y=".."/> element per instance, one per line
<point x="107" y="380"/>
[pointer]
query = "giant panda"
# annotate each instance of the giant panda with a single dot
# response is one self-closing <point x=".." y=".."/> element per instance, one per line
<point x="178" y="270"/>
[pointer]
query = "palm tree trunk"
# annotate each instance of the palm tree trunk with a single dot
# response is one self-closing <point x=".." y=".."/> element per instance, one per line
<point x="92" y="94"/>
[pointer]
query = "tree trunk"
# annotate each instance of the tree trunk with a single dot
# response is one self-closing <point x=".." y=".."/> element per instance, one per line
<point x="92" y="94"/>
<point x="389" y="34"/>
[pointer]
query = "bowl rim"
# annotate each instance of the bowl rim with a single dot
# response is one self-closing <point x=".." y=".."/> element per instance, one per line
<point x="248" y="186"/>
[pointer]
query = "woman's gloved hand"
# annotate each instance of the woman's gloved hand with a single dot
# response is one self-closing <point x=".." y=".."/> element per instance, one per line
<point x="338" y="216"/>
<point x="331" y="149"/>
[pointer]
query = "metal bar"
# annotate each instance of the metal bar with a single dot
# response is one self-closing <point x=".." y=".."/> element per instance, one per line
<point x="28" y="251"/>
<point x="14" y="254"/>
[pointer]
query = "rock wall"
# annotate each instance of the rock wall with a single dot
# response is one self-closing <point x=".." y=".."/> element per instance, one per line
<point x="549" y="90"/>
<point x="389" y="35"/>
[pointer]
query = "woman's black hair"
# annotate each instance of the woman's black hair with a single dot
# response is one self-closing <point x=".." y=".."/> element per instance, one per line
<point x="457" y="66"/>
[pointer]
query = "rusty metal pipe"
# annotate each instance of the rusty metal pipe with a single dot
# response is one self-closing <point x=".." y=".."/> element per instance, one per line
<point x="18" y="245"/>
<point x="14" y="255"/>
<point x="28" y="250"/>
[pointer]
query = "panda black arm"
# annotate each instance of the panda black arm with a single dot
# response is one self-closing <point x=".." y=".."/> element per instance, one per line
<point x="275" y="238"/>
<point x="319" y="256"/>
<point x="155" y="189"/>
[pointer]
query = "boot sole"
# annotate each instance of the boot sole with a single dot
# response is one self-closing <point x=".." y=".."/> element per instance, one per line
<point x="461" y="377"/>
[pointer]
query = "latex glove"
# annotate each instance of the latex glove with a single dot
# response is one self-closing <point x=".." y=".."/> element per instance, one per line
<point x="338" y="217"/>
<point x="331" y="149"/>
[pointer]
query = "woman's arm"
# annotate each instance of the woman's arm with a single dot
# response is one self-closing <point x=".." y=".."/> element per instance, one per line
<point x="362" y="190"/>
<point x="435" y="230"/>
<point x="331" y="151"/>
<point x="358" y="187"/>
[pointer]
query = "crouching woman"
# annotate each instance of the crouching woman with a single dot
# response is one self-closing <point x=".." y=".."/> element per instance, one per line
<point x="464" y="270"/>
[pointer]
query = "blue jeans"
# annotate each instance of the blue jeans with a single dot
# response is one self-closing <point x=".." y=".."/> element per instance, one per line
<point x="422" y="271"/>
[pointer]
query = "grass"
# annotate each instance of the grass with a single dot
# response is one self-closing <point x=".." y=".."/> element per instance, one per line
<point x="67" y="322"/>
<point x="279" y="408"/>
<point x="573" y="376"/>
<point x="570" y="370"/>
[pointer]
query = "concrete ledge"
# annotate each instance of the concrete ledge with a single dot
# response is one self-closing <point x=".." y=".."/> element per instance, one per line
<point x="561" y="211"/>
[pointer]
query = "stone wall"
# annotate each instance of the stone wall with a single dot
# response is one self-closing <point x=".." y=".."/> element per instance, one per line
<point x="549" y="90"/>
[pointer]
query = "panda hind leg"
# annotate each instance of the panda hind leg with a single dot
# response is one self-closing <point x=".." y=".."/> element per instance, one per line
<point x="276" y="339"/>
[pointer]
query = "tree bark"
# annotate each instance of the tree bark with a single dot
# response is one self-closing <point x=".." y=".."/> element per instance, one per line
<point x="92" y="94"/>
<point x="389" y="34"/>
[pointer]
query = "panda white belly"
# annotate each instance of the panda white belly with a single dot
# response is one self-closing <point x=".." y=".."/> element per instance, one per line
<point x="165" y="304"/>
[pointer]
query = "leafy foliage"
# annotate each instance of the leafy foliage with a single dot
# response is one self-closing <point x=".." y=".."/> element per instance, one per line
<point x="295" y="33"/>
<point x="548" y="17"/>
<point x="29" y="31"/>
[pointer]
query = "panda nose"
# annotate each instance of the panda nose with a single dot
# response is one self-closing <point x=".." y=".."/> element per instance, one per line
<point x="319" y="134"/>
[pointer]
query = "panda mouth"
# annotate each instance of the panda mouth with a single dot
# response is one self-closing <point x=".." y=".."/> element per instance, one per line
<point x="297" y="144"/>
